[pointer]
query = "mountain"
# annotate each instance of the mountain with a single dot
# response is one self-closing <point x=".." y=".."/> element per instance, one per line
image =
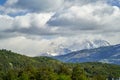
<point x="88" y="44"/>
<point x="65" y="48"/>
<point x="107" y="54"/>
<point x="62" y="50"/>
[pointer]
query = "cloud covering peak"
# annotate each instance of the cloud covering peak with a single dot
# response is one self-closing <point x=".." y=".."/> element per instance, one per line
<point x="42" y="22"/>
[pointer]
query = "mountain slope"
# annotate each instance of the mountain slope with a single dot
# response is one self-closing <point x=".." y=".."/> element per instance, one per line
<point x="67" y="47"/>
<point x="108" y="54"/>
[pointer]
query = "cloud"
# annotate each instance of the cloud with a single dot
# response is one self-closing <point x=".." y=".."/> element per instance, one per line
<point x="5" y="22"/>
<point x="31" y="24"/>
<point x="10" y="2"/>
<point x="33" y="47"/>
<point x="97" y="17"/>
<point x="21" y="7"/>
<point x="32" y="20"/>
<point x="40" y="26"/>
<point x="8" y="9"/>
<point x="36" y="5"/>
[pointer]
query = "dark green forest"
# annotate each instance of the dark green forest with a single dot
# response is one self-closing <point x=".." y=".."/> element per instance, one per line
<point x="14" y="66"/>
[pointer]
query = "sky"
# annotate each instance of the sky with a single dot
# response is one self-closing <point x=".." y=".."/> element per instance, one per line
<point x="2" y="2"/>
<point x="33" y="27"/>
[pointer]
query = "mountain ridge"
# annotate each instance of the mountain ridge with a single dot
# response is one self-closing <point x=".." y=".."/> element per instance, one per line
<point x="65" y="48"/>
<point x="107" y="54"/>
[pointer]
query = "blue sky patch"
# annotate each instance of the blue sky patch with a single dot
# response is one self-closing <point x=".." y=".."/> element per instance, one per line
<point x="2" y="2"/>
<point x="114" y="2"/>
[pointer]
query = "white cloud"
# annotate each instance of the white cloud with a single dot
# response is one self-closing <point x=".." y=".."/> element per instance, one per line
<point x="27" y="25"/>
<point x="34" y="47"/>
<point x="27" y="21"/>
<point x="40" y="26"/>
<point x="5" y="22"/>
<point x="88" y="17"/>
<point x="30" y="47"/>
<point x="32" y="20"/>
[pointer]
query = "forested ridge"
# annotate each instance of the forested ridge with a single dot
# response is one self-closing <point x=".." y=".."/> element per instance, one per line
<point x="14" y="66"/>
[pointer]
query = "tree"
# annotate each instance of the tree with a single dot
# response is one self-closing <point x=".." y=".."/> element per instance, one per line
<point x="11" y="75"/>
<point x="99" y="77"/>
<point x="46" y="74"/>
<point x="24" y="76"/>
<point x="78" y="73"/>
<point x="63" y="69"/>
<point x="64" y="77"/>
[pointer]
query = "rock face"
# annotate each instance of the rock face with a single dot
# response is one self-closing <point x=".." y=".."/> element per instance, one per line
<point x="106" y="54"/>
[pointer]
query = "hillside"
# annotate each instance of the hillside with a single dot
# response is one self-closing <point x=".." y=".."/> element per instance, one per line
<point x="108" y="54"/>
<point x="11" y="60"/>
<point x="14" y="66"/>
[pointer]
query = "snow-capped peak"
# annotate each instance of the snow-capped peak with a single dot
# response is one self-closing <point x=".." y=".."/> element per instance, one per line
<point x="88" y="44"/>
<point x="100" y="43"/>
<point x="64" y="48"/>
